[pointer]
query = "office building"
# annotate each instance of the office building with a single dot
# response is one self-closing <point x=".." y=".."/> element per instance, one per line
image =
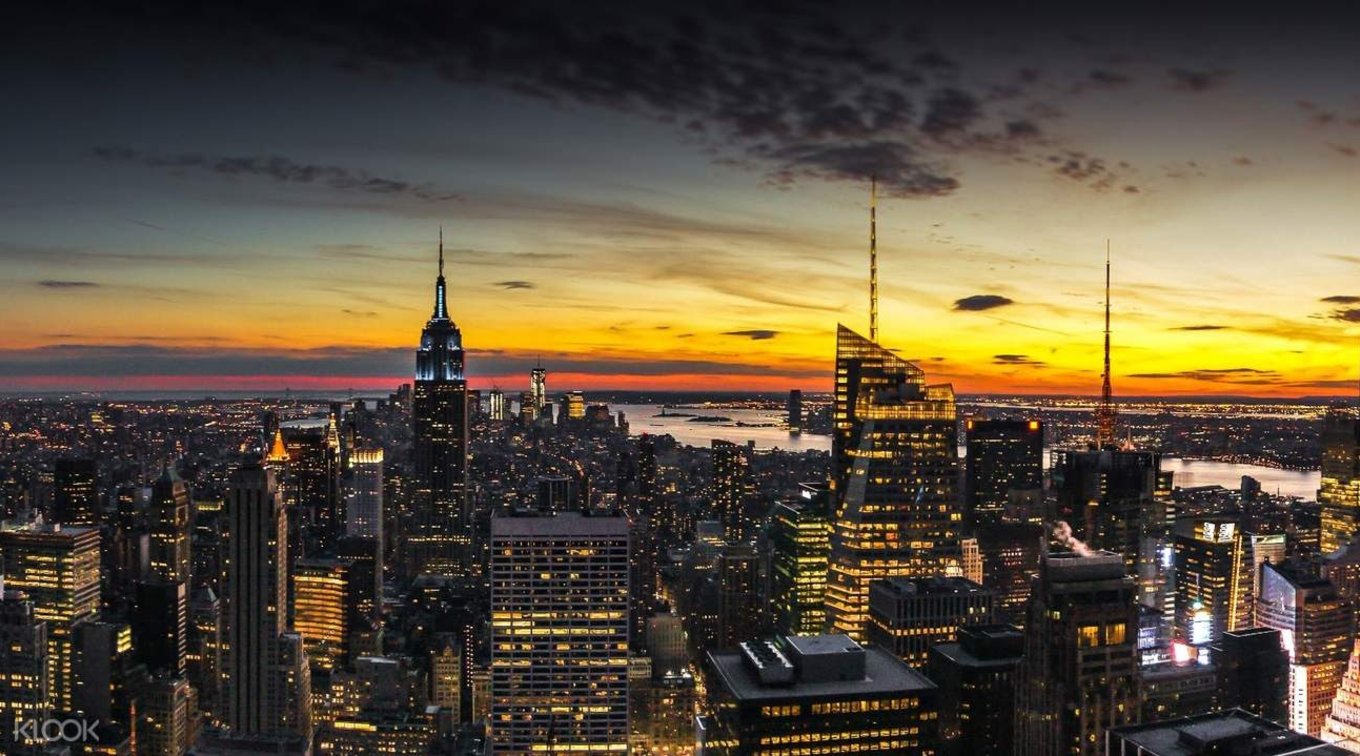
<point x="160" y="626"/>
<point x="25" y="692"/>
<point x="496" y="406"/>
<point x="558" y="493"/>
<point x="1317" y="627"/>
<point x="1004" y="462"/>
<point x="894" y="473"/>
<point x="1177" y="687"/>
<point x="559" y="632"/>
<point x="1253" y="672"/>
<point x="1079" y="677"/>
<point x="909" y="615"/>
<point x="815" y="694"/>
<point x="795" y="411"/>
<point x="977" y="677"/>
<point x="1213" y="578"/>
<point x="437" y="538"/>
<point x="324" y="602"/>
<point x="204" y="657"/>
<point x="57" y="567"/>
<point x="265" y="676"/>
<point x="741" y="610"/>
<point x="168" y="718"/>
<point x="169" y="526"/>
<point x="799" y="549"/>
<point x="1339" y="493"/>
<point x="364" y="505"/>
<point x="311" y="488"/>
<point x="1343" y="723"/>
<point x="75" y="492"/>
<point x="732" y="488"/>
<point x="538" y="391"/>
<point x="1010" y="560"/>
<point x="1221" y="732"/>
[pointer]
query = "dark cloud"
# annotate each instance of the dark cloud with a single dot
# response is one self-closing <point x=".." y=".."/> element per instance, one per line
<point x="1190" y="80"/>
<point x="61" y="284"/>
<point x="754" y="335"/>
<point x="516" y="285"/>
<point x="1243" y="160"/>
<point x="1347" y="314"/>
<point x="1083" y="168"/>
<point x="1341" y="299"/>
<point x="280" y="169"/>
<point x="950" y="111"/>
<point x="1014" y="359"/>
<point x="980" y="302"/>
<point x="1343" y="149"/>
<point x="1200" y="328"/>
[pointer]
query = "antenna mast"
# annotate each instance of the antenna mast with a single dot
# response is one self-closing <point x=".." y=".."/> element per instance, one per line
<point x="1105" y="414"/>
<point x="873" y="258"/>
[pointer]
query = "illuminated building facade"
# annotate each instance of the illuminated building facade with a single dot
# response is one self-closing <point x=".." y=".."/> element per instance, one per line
<point x="732" y="488"/>
<point x="204" y="657"/>
<point x="976" y="676"/>
<point x="1005" y="459"/>
<point x="1253" y="672"/>
<point x="1079" y="677"/>
<point x="364" y="508"/>
<point x="894" y="474"/>
<point x="24" y="687"/>
<point x="57" y="567"/>
<point x="167" y="718"/>
<point x="265" y="675"/>
<point x="1213" y="578"/>
<point x="169" y="526"/>
<point x="1343" y="723"/>
<point x="908" y="615"/>
<point x="821" y="694"/>
<point x="398" y="734"/>
<point x="559" y="633"/>
<point x="740" y="608"/>
<point x="437" y="540"/>
<point x="311" y="488"/>
<point x="1318" y="628"/>
<point x="496" y="404"/>
<point x="538" y="391"/>
<point x="75" y="492"/>
<point x="323" y="603"/>
<point x="1010" y="560"/>
<point x="1339" y="493"/>
<point x="800" y="545"/>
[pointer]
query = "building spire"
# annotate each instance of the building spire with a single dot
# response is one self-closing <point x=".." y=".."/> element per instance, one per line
<point x="1105" y="414"/>
<point x="441" y="307"/>
<point x="873" y="258"/>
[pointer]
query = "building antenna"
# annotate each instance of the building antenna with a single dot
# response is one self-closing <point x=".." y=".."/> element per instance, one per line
<point x="441" y="250"/>
<point x="873" y="258"/>
<point x="1105" y="415"/>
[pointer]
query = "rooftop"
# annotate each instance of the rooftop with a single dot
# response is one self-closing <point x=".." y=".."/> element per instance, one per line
<point x="559" y="524"/>
<point x="884" y="673"/>
<point x="1217" y="731"/>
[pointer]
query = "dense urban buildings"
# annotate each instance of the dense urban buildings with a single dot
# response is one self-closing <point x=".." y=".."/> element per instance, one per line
<point x="1339" y="494"/>
<point x="1004" y="468"/>
<point x="977" y="679"/>
<point x="1213" y="578"/>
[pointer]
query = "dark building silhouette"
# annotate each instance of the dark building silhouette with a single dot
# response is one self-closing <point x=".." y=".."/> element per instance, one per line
<point x="732" y="488"/>
<point x="795" y="411"/>
<point x="909" y="615"/>
<point x="977" y="676"/>
<point x="1080" y="673"/>
<point x="1220" y="732"/>
<point x="1253" y="672"/>
<point x="1005" y="459"/>
<point x="741" y="611"/>
<point x="75" y="492"/>
<point x="160" y="626"/>
<point x="1010" y="560"/>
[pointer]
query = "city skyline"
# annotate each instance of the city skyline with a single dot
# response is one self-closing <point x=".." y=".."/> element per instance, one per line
<point x="227" y="218"/>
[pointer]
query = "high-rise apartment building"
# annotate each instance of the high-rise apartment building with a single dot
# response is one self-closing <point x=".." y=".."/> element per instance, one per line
<point x="1079" y="677"/>
<point x="559" y="633"/>
<point x="895" y="478"/>
<point x="732" y="488"/>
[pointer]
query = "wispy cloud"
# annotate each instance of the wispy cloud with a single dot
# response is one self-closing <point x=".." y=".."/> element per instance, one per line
<point x="754" y="335"/>
<point x="51" y="283"/>
<point x="509" y="285"/>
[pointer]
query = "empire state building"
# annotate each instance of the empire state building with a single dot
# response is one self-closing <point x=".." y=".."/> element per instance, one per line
<point x="437" y="542"/>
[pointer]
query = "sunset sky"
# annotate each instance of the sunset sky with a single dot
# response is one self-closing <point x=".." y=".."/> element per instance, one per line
<point x="678" y="198"/>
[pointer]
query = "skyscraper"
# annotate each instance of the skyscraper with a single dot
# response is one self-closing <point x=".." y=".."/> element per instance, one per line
<point x="559" y="633"/>
<point x="58" y="568"/>
<point x="75" y="492"/>
<point x="160" y="625"/>
<point x="740" y="610"/>
<point x="732" y="488"/>
<point x="538" y="390"/>
<point x="799" y="548"/>
<point x="1004" y="456"/>
<point x="976" y="676"/>
<point x="909" y="615"/>
<point x="795" y="411"/>
<point x="1318" y="628"/>
<point x="1339" y="494"/>
<point x="1213" y="578"/>
<point x="496" y="406"/>
<point x="24" y="686"/>
<point x="1079" y="676"/>
<point x="169" y="525"/>
<point x="894" y="472"/>
<point x="264" y="668"/>
<point x="438" y="539"/>
<point x="364" y="510"/>
<point x="1253" y="672"/>
<point x="323" y="600"/>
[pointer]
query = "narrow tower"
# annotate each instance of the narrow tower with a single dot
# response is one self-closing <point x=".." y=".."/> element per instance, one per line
<point x="1105" y="415"/>
<point x="873" y="259"/>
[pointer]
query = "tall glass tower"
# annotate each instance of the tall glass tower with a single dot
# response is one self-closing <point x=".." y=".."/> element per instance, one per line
<point x="437" y="542"/>
<point x="895" y="478"/>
